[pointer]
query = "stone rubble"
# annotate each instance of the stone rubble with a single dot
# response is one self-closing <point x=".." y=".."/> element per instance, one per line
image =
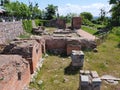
<point x="89" y="80"/>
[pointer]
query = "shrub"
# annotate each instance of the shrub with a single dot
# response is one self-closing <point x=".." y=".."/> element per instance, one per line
<point x="116" y="30"/>
<point x="27" y="25"/>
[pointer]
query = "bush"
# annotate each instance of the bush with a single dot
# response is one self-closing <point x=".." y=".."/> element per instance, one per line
<point x="37" y="22"/>
<point x="87" y="22"/>
<point x="116" y="30"/>
<point x="27" y="25"/>
<point x="44" y="22"/>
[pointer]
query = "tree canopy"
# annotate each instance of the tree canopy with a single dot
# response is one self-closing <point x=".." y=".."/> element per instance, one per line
<point x="21" y="10"/>
<point x="50" y="12"/>
<point x="86" y="15"/>
<point x="115" y="11"/>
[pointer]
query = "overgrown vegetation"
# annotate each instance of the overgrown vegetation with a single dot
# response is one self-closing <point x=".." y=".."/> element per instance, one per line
<point x="27" y="25"/>
<point x="106" y="61"/>
<point x="88" y="29"/>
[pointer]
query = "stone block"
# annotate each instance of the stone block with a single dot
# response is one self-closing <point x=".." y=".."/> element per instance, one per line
<point x="94" y="74"/>
<point x="96" y="83"/>
<point x="88" y="81"/>
<point x="77" y="58"/>
<point x="84" y="80"/>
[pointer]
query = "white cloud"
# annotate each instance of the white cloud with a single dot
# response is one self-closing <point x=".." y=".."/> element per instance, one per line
<point x="93" y="8"/>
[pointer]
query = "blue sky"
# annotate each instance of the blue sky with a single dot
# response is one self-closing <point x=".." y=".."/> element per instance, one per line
<point x="74" y="6"/>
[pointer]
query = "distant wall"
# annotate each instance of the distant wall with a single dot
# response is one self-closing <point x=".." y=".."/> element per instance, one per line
<point x="10" y="30"/>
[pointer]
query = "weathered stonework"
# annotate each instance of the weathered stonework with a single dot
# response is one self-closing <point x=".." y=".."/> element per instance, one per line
<point x="14" y="72"/>
<point x="89" y="80"/>
<point x="77" y="58"/>
<point x="10" y="30"/>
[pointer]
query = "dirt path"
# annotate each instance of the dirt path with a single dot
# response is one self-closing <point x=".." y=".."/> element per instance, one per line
<point x="86" y="35"/>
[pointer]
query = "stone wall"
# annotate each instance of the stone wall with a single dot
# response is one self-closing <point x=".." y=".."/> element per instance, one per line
<point x="9" y="31"/>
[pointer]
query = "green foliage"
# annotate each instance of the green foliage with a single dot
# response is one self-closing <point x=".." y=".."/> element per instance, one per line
<point x="50" y="12"/>
<point x="69" y="17"/>
<point x="22" y="11"/>
<point x="87" y="22"/>
<point x="35" y="11"/>
<point x="3" y="2"/>
<point x="88" y="29"/>
<point x="37" y="22"/>
<point x="27" y="25"/>
<point x="86" y="15"/>
<point x="115" y="14"/>
<point x="114" y="1"/>
<point x="17" y="9"/>
<point x="26" y="35"/>
<point x="116" y="31"/>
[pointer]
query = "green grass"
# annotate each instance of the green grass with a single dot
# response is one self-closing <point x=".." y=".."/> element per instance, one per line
<point x="106" y="61"/>
<point x="88" y="29"/>
<point x="26" y="35"/>
<point x="53" y="74"/>
<point x="50" y="29"/>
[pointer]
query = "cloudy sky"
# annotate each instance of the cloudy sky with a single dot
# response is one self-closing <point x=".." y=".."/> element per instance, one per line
<point x="74" y="6"/>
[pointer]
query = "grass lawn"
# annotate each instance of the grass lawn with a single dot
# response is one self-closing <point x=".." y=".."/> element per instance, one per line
<point x="89" y="29"/>
<point x="57" y="75"/>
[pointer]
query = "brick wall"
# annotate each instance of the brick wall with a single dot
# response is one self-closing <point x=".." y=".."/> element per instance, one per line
<point x="56" y="45"/>
<point x="14" y="72"/>
<point x="31" y="50"/>
<point x="76" y="22"/>
<point x="9" y="31"/>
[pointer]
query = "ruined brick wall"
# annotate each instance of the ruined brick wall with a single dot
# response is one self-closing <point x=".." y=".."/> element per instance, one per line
<point x="76" y="22"/>
<point x="71" y="47"/>
<point x="60" y="23"/>
<point x="9" y="31"/>
<point x="36" y="55"/>
<point x="31" y="50"/>
<point x="14" y="72"/>
<point x="63" y="45"/>
<point x="56" y="45"/>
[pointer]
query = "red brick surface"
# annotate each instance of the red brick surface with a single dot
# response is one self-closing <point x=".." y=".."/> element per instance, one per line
<point x="60" y="23"/>
<point x="71" y="47"/>
<point x="10" y="65"/>
<point x="76" y="22"/>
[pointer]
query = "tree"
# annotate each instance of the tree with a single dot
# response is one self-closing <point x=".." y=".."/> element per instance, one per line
<point x="2" y="2"/>
<point x="36" y="12"/>
<point x="86" y="15"/>
<point x="18" y="10"/>
<point x="69" y="16"/>
<point x="114" y="1"/>
<point x="51" y="12"/>
<point x="115" y="11"/>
